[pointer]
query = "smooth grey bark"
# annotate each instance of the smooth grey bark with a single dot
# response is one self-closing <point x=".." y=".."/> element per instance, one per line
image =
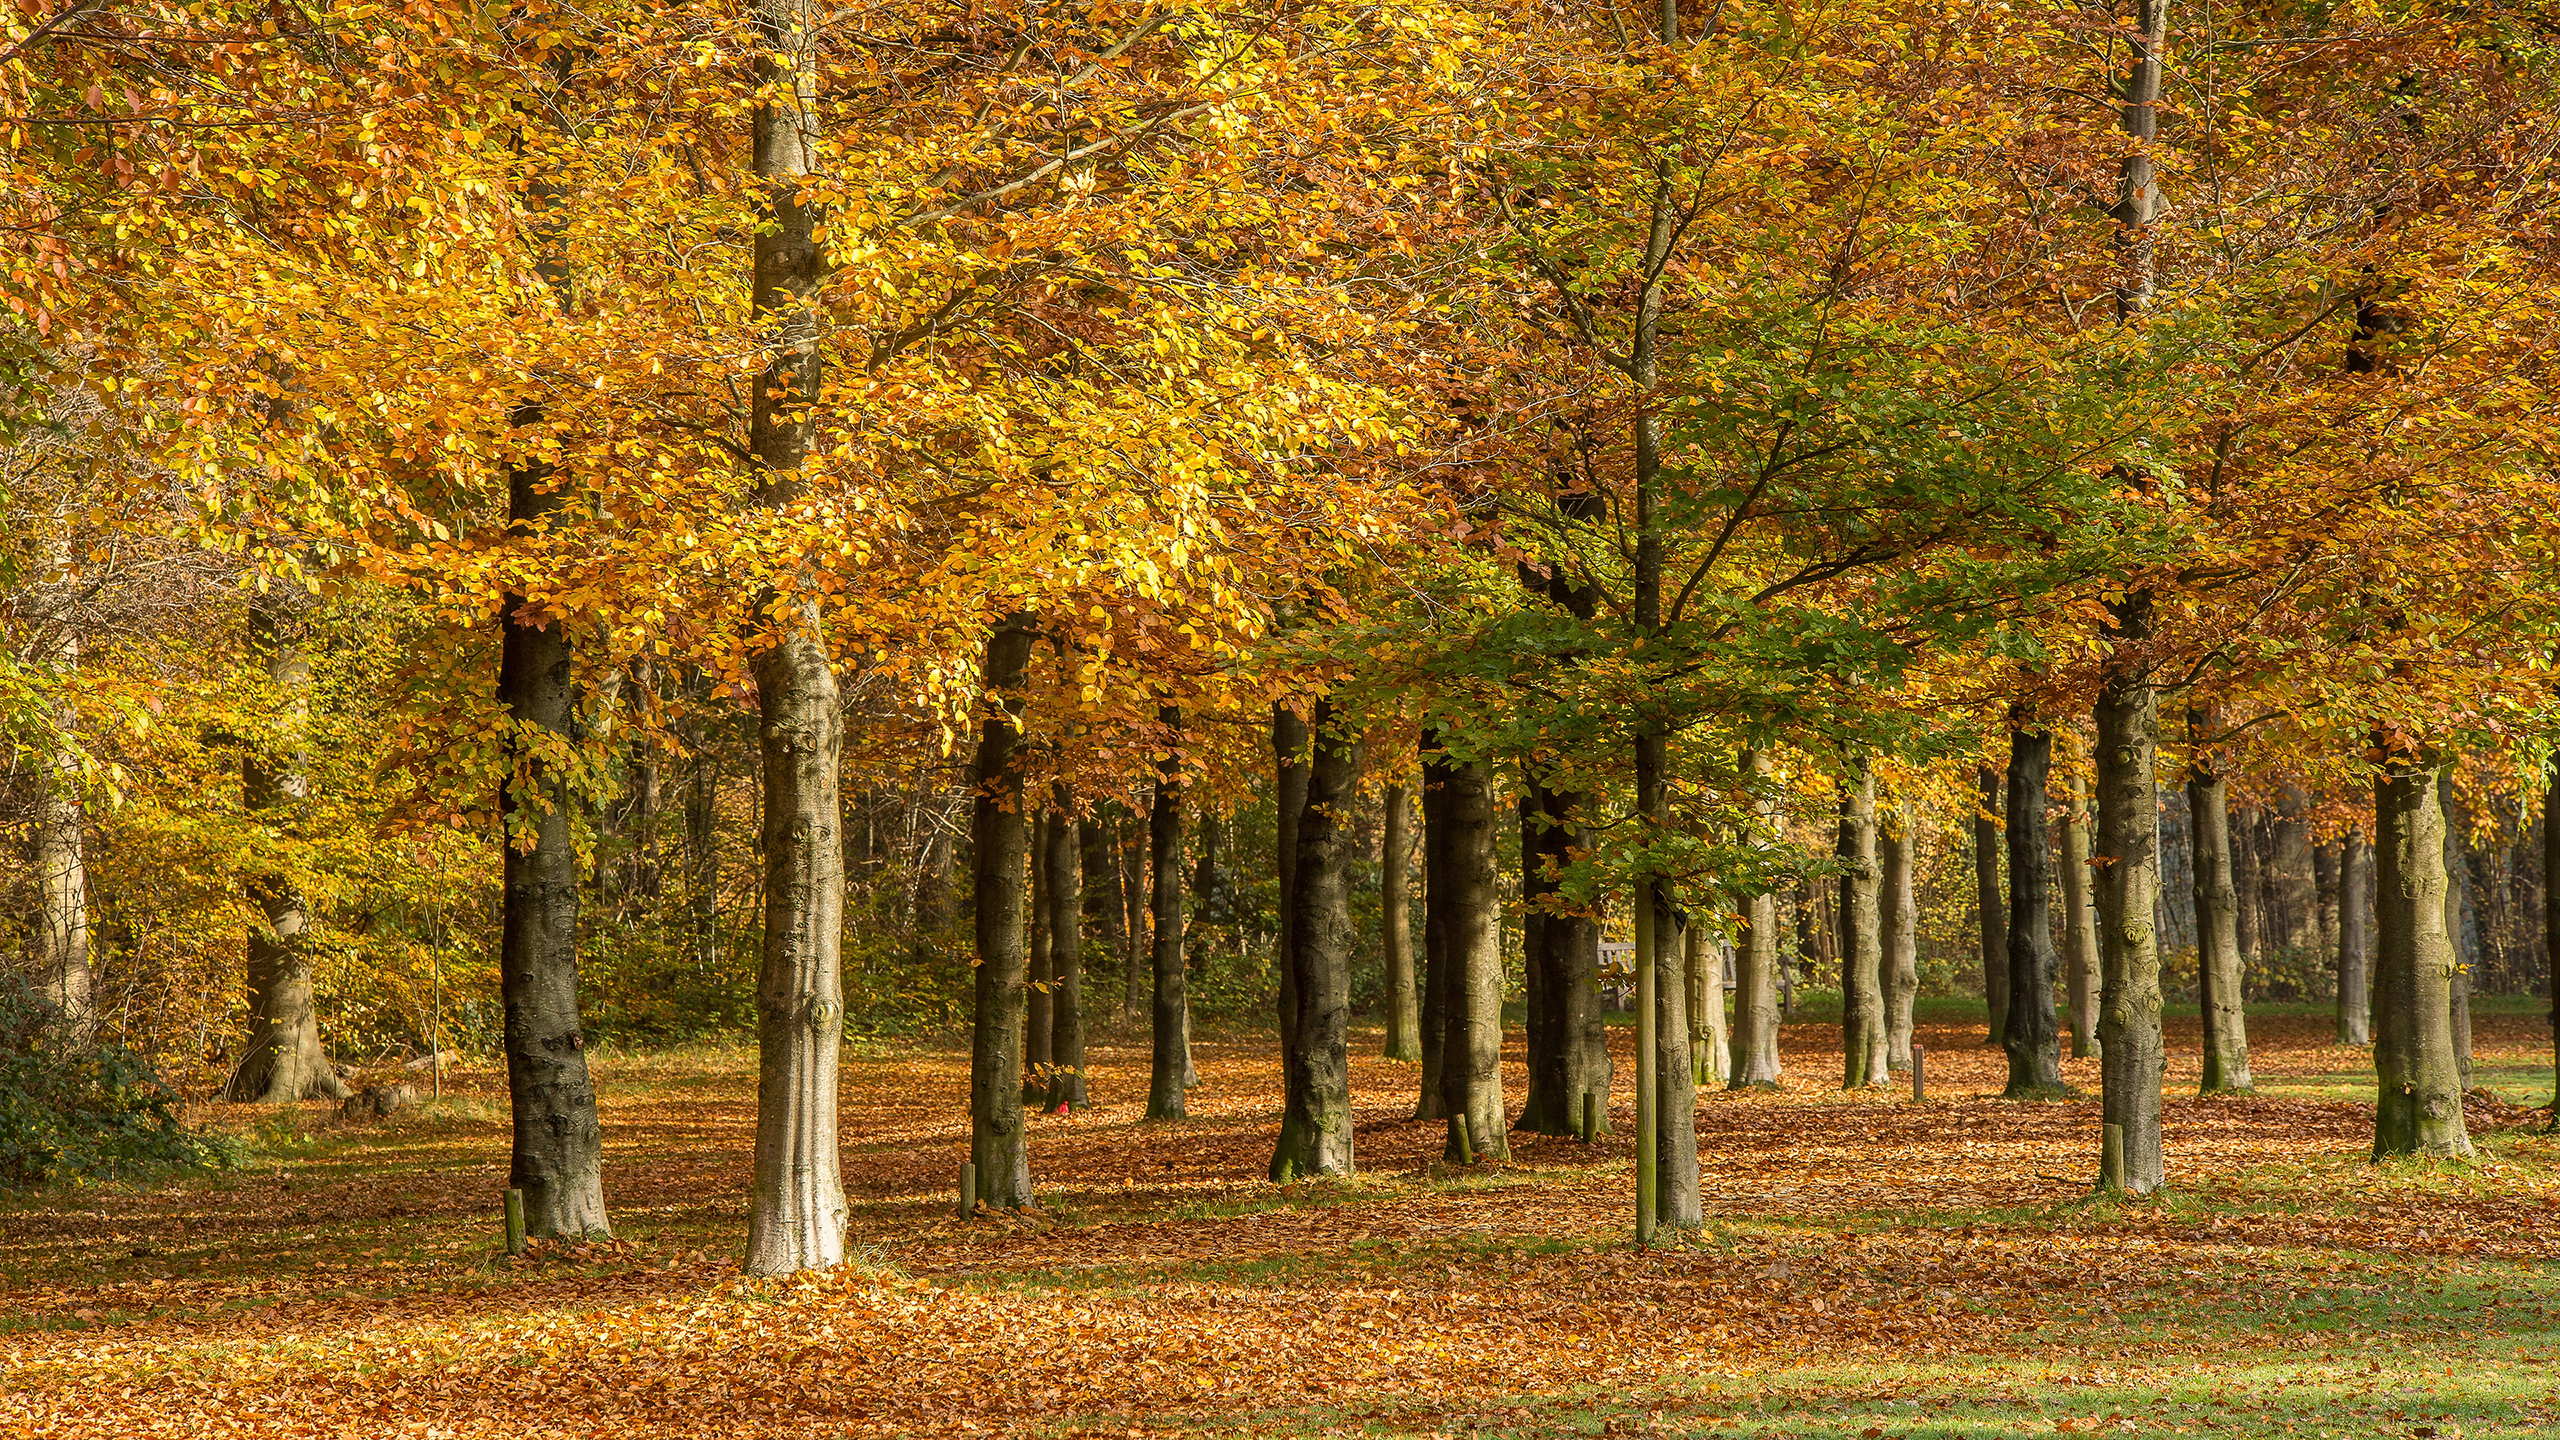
<point x="1067" y="1089"/>
<point x="1291" y="761"/>
<point x="1568" y="1042"/>
<point x="1315" y="1120"/>
<point x="58" y="932"/>
<point x="2456" y="902"/>
<point x="283" y="1061"/>
<point x="701" y="846"/>
<point x="1463" y="910"/>
<point x="1862" y="1021"/>
<point x="1038" y="986"/>
<point x="999" y="831"/>
<point x="2132" y="1056"/>
<point x="2291" y="880"/>
<point x="2218" y="962"/>
<point x="1204" y="875"/>
<point x="1710" y="1043"/>
<point x="1755" y="995"/>
<point x="1395" y="907"/>
<point x="2551" y="919"/>
<point x="1990" y="909"/>
<point x="2324" y="869"/>
<point x="2418" y="1077"/>
<point x="1899" y="846"/>
<point x="557" y="1158"/>
<point x="798" y="1214"/>
<point x="1169" y="1016"/>
<point x="2248" y="885"/>
<point x="2033" y="1041"/>
<point x="2355" y="973"/>
<point x="2079" y="925"/>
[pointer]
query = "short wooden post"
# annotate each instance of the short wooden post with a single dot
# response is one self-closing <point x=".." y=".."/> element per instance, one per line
<point x="1919" y="1077"/>
<point x="968" y="1189"/>
<point x="2111" y="1157"/>
<point x="1466" y="1139"/>
<point x="1590" y="1116"/>
<point x="515" y="1222"/>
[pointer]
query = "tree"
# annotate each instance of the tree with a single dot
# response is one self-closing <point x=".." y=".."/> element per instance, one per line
<point x="1755" y="1001"/>
<point x="1169" y="1017"/>
<point x="798" y="1216"/>
<point x="1862" y="1019"/>
<point x="1063" y="858"/>
<point x="999" y="846"/>
<point x="283" y="1061"/>
<point x="1395" y="937"/>
<point x="2033" y="1044"/>
<point x="2418" y="1077"/>
<point x="1315" y="1127"/>
<point x="2355" y="903"/>
<point x="1990" y="910"/>
<point x="2218" y="962"/>
<point x="2079" y="922"/>
<point x="1463" y="920"/>
<point x="1900" y="843"/>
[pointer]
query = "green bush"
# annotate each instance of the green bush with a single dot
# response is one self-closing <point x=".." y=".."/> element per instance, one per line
<point x="72" y="1112"/>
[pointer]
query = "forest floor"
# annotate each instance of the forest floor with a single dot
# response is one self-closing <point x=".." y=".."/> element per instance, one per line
<point x="1870" y="1267"/>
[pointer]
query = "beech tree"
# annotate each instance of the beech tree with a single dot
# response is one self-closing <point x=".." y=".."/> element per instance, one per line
<point x="2418" y="1076"/>
<point x="1315" y="1126"/>
<point x="2034" y="1045"/>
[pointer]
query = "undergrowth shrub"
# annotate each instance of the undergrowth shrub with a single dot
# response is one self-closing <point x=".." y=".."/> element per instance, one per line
<point x="72" y="1112"/>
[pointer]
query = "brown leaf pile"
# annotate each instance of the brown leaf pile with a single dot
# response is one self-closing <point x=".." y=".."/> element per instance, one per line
<point x="357" y="1291"/>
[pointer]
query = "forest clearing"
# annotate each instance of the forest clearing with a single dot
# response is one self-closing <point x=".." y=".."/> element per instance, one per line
<point x="1868" y="1267"/>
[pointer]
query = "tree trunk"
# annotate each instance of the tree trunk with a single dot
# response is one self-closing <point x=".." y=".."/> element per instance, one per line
<point x="1901" y="918"/>
<point x="1395" y="923"/>
<point x="1429" y="1102"/>
<point x="1676" y="1200"/>
<point x="798" y="1216"/>
<point x="701" y="848"/>
<point x="1568" y="1044"/>
<point x="1710" y="1046"/>
<point x="999" y="827"/>
<point x="1862" y="1023"/>
<point x="2324" y="870"/>
<point x="2248" y="885"/>
<point x="2033" y="1041"/>
<point x="2355" y="975"/>
<point x="1315" y="1121"/>
<point x="2418" y="1109"/>
<point x="1038" y="984"/>
<point x="2295" y="915"/>
<point x="1137" y="866"/>
<point x="1100" y="865"/>
<point x="1066" y="957"/>
<point x="558" y="1156"/>
<point x="284" y="1061"/>
<point x="1755" y="996"/>
<point x="2551" y="920"/>
<point x="2132" y="1057"/>
<point x="1991" y="911"/>
<point x="1289" y="754"/>
<point x="2456" y="914"/>
<point x="2218" y="964"/>
<point x="2079" y="927"/>
<point x="58" y="938"/>
<point x="1169" y="1072"/>
<point x="1463" y="910"/>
